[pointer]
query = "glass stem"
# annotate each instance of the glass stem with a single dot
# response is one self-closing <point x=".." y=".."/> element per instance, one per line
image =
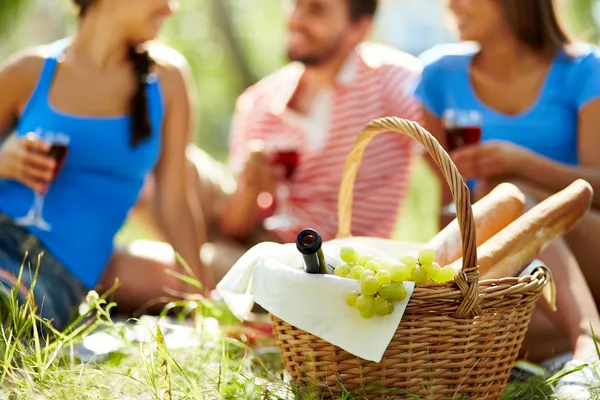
<point x="283" y="195"/>
<point x="38" y="205"/>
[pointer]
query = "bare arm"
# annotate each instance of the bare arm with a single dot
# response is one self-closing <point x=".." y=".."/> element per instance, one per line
<point x="238" y="216"/>
<point x="174" y="210"/>
<point x="555" y="176"/>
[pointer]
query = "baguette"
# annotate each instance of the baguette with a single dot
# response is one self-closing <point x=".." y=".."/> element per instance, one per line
<point x="491" y="214"/>
<point x="510" y="250"/>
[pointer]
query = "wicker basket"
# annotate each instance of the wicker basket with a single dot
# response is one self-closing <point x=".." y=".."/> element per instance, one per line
<point x="458" y="340"/>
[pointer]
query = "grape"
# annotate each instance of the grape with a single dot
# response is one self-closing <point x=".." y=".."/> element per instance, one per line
<point x="385" y="266"/>
<point x="370" y="285"/>
<point x="381" y="306"/>
<point x="398" y="291"/>
<point x="342" y="271"/>
<point x="384" y="276"/>
<point x="426" y="256"/>
<point x="351" y="298"/>
<point x="433" y="270"/>
<point x="410" y="262"/>
<point x="373" y="265"/>
<point x="367" y="314"/>
<point x="363" y="260"/>
<point x="447" y="274"/>
<point x="366" y="273"/>
<point x="356" y="272"/>
<point x="348" y="254"/>
<point x="386" y="291"/>
<point x="399" y="272"/>
<point x="365" y="303"/>
<point x="419" y="275"/>
<point x="390" y="308"/>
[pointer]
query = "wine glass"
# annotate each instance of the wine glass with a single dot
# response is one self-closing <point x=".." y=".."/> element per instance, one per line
<point x="462" y="127"/>
<point x="59" y="147"/>
<point x="283" y="155"/>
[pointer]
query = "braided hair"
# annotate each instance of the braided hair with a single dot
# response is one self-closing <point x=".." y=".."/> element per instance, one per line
<point x="138" y="105"/>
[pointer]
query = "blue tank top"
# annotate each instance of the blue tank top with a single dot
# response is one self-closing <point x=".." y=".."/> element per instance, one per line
<point x="100" y="182"/>
<point x="548" y="127"/>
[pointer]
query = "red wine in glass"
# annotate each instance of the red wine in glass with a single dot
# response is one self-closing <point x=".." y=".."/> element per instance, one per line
<point x="58" y="151"/>
<point x="458" y="136"/>
<point x="288" y="159"/>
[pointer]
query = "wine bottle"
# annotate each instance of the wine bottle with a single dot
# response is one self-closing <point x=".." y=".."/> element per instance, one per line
<point x="309" y="244"/>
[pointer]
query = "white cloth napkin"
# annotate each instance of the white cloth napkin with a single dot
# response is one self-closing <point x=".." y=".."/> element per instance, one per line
<point x="272" y="275"/>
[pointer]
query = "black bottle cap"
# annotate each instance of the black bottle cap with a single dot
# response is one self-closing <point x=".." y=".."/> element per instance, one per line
<point x="308" y="241"/>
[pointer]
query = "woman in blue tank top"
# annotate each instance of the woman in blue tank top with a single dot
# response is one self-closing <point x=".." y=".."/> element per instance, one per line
<point x="122" y="108"/>
<point x="538" y="96"/>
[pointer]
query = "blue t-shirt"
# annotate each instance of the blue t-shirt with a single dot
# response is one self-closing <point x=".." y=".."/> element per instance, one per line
<point x="100" y="182"/>
<point x="548" y="127"/>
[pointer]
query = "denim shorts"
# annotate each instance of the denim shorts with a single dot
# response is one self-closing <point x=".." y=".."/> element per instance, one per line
<point x="57" y="293"/>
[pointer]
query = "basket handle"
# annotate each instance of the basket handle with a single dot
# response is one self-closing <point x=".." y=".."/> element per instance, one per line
<point x="468" y="278"/>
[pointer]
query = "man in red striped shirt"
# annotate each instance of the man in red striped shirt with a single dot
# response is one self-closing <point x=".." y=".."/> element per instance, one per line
<point x="318" y="104"/>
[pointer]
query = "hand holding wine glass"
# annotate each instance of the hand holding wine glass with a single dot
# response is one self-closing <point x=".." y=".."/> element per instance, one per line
<point x="258" y="172"/>
<point x="26" y="160"/>
<point x="57" y="146"/>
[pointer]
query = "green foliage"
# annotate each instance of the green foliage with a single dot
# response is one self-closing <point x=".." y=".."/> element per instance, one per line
<point x="582" y="20"/>
<point x="9" y="13"/>
<point x="195" y="32"/>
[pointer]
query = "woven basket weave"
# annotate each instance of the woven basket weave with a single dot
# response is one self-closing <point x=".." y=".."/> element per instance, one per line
<point x="458" y="340"/>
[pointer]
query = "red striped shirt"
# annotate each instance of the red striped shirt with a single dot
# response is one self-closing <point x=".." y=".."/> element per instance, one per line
<point x="379" y="84"/>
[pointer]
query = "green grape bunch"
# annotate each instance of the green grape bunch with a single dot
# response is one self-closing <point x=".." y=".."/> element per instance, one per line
<point x="382" y="281"/>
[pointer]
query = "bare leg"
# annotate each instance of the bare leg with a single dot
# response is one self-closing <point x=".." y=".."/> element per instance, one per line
<point x="545" y="338"/>
<point x="576" y="309"/>
<point x="144" y="270"/>
<point x="582" y="240"/>
<point x="144" y="281"/>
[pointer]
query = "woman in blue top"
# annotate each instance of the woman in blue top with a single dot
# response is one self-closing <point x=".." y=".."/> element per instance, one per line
<point x="124" y="105"/>
<point x="539" y="98"/>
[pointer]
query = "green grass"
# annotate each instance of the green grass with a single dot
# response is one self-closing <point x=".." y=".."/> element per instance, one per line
<point x="152" y="361"/>
<point x="39" y="363"/>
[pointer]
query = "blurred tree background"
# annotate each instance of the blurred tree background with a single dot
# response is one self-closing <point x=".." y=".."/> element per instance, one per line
<point x="232" y="43"/>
